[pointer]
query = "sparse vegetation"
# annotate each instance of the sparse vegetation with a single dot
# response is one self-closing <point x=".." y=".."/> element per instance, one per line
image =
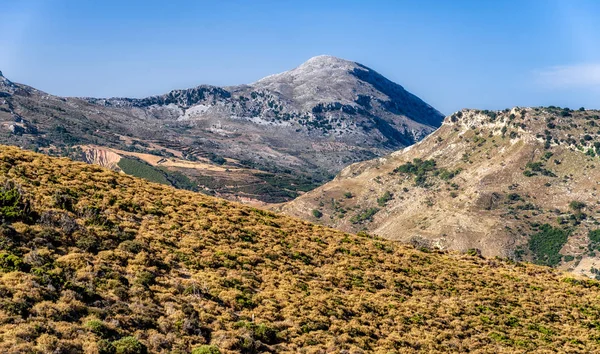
<point x="386" y="197"/>
<point x="364" y="215"/>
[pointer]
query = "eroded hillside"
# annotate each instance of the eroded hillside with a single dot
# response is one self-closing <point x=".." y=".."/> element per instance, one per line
<point x="95" y="261"/>
<point x="519" y="183"/>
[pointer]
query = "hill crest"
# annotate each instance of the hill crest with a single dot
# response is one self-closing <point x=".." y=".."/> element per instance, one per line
<point x="488" y="180"/>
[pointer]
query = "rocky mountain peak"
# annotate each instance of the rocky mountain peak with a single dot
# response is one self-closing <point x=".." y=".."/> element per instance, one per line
<point x="326" y="79"/>
<point x="330" y="62"/>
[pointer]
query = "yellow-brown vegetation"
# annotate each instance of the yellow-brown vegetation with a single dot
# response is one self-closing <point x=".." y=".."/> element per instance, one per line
<point x="94" y="261"/>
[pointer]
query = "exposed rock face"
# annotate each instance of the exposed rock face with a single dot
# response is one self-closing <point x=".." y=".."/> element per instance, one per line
<point x="325" y="79"/>
<point x="101" y="157"/>
<point x="305" y="124"/>
<point x="485" y="180"/>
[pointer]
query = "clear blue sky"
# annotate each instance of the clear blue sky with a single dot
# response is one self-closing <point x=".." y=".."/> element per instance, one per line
<point x="453" y="54"/>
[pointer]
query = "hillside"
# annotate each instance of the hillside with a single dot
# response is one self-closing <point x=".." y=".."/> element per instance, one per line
<point x="519" y="183"/>
<point x="95" y="261"/>
<point x="283" y="135"/>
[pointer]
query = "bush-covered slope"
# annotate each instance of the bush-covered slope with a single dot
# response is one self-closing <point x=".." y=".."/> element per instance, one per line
<point x="93" y="261"/>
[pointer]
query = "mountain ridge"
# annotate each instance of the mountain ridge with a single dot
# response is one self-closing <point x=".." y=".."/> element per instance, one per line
<point x="301" y="138"/>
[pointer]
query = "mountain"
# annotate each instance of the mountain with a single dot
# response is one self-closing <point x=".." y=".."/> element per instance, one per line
<point x="519" y="183"/>
<point x="95" y="261"/>
<point x="267" y="141"/>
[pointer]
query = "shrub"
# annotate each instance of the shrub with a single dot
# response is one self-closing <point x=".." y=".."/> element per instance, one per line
<point x="594" y="235"/>
<point x="145" y="278"/>
<point x="266" y="334"/>
<point x="528" y="173"/>
<point x="546" y="245"/>
<point x="12" y="205"/>
<point x="386" y="197"/>
<point x="105" y="347"/>
<point x="206" y="349"/>
<point x="98" y="327"/>
<point x="131" y="246"/>
<point x="129" y="345"/>
<point x="348" y="195"/>
<point x="514" y="197"/>
<point x="219" y="160"/>
<point x="576" y="205"/>
<point x="317" y="214"/>
<point x="10" y="262"/>
<point x="474" y="252"/>
<point x="364" y="215"/>
<point x="88" y="242"/>
<point x="261" y="332"/>
<point x="418" y="168"/>
<point x="447" y="174"/>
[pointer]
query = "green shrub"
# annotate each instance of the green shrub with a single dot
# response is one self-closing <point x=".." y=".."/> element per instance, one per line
<point x="105" y="347"/>
<point x="145" y="278"/>
<point x="98" y="327"/>
<point x="418" y="168"/>
<point x="129" y="345"/>
<point x="216" y="159"/>
<point x="514" y="197"/>
<point x="10" y="262"/>
<point x="386" y="197"/>
<point x="474" y="252"/>
<point x="12" y="205"/>
<point x="446" y="174"/>
<point x="594" y="235"/>
<point x="364" y="215"/>
<point x="317" y="214"/>
<point x="88" y="242"/>
<point x="348" y="195"/>
<point x="143" y="170"/>
<point x="576" y="205"/>
<point x="206" y="349"/>
<point x="261" y="332"/>
<point x="131" y="246"/>
<point x="546" y="245"/>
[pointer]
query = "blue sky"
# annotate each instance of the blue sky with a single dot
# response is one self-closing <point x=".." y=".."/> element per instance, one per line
<point x="453" y="54"/>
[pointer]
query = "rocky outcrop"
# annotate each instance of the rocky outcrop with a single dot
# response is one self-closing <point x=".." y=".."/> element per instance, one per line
<point x="101" y="157"/>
